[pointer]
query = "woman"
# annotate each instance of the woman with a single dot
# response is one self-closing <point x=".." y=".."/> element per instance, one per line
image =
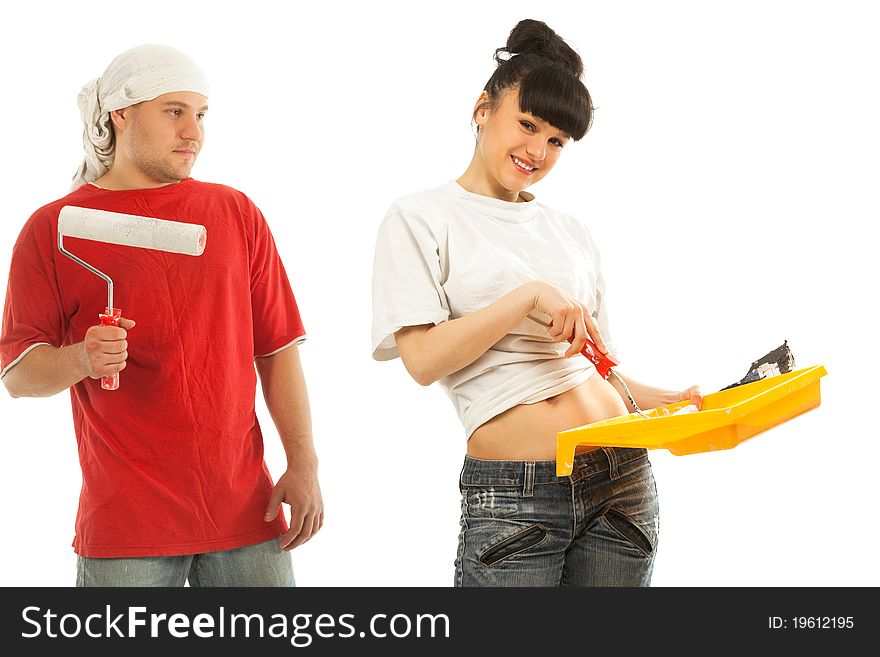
<point x="478" y="286"/>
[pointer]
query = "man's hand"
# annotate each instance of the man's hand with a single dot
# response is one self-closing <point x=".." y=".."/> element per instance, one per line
<point x="284" y="388"/>
<point x="47" y="370"/>
<point x="105" y="349"/>
<point x="299" y="488"/>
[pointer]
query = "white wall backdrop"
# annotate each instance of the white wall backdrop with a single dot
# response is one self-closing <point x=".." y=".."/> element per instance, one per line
<point x="730" y="179"/>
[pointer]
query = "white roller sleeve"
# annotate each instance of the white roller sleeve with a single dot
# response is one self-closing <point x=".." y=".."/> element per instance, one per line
<point x="132" y="230"/>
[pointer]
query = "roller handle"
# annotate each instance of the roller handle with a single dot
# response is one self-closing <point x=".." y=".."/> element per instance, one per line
<point x="110" y="319"/>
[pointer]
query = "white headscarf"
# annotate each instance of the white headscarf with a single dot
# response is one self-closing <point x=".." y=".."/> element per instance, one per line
<point x="135" y="76"/>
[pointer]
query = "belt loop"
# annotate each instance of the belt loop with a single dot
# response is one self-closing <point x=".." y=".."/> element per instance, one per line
<point x="529" y="479"/>
<point x="612" y="463"/>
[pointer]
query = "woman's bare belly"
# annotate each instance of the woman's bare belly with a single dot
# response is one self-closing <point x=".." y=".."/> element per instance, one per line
<point x="527" y="432"/>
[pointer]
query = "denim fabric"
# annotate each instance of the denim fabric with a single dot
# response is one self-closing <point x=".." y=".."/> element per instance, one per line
<point x="521" y="525"/>
<point x="263" y="564"/>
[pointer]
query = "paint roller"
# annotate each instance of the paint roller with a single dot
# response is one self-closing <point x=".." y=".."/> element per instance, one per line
<point x="125" y="230"/>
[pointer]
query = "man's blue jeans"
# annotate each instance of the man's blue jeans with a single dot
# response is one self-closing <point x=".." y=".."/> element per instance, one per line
<point x="263" y="564"/>
<point x="521" y="525"/>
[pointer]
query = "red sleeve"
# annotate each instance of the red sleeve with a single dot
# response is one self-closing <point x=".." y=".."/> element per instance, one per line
<point x="33" y="313"/>
<point x="275" y="315"/>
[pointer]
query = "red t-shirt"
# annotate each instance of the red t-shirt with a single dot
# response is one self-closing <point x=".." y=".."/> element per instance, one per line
<point x="172" y="461"/>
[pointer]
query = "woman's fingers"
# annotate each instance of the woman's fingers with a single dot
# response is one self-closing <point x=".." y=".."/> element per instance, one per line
<point x="596" y="334"/>
<point x="694" y="395"/>
<point x="568" y="330"/>
<point x="570" y="319"/>
<point x="579" y="338"/>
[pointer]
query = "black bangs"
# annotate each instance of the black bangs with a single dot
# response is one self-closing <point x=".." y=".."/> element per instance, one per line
<point x="551" y="93"/>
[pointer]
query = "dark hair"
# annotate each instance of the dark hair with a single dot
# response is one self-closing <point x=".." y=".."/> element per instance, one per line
<point x="547" y="71"/>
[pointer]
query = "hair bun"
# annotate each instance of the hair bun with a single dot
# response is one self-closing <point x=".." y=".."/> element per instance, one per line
<point x="536" y="38"/>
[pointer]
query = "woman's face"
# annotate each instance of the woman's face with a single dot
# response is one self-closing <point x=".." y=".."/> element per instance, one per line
<point x="517" y="148"/>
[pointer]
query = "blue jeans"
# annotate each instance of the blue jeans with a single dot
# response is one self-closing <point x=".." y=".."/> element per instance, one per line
<point x="263" y="564"/>
<point x="521" y="525"/>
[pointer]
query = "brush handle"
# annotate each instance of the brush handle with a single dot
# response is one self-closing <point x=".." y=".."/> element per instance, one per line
<point x="110" y="319"/>
<point x="602" y="362"/>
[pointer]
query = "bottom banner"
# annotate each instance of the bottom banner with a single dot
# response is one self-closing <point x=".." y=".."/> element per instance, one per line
<point x="403" y="620"/>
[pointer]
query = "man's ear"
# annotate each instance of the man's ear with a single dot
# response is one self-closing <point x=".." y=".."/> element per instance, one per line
<point x="118" y="118"/>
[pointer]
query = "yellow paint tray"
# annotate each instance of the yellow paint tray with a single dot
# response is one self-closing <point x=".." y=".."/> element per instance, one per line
<point x="726" y="419"/>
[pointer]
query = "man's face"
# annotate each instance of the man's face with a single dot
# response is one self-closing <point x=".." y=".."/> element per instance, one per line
<point x="162" y="137"/>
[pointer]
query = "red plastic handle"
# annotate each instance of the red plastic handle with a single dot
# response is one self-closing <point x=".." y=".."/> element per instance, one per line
<point x="110" y="319"/>
<point x="602" y="362"/>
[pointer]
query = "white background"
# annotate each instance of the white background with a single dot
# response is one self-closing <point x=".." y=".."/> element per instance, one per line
<point x="730" y="180"/>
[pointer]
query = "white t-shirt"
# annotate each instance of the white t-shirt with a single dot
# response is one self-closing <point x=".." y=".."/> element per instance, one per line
<point x="447" y="252"/>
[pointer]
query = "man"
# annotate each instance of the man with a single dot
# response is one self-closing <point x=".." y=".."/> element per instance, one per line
<point x="175" y="487"/>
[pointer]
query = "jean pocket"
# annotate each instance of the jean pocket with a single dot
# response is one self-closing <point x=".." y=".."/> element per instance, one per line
<point x="511" y="545"/>
<point x="641" y="537"/>
<point x="632" y="511"/>
<point x="493" y="502"/>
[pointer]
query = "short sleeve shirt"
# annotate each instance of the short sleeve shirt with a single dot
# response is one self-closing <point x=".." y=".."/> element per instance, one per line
<point x="172" y="461"/>
<point x="446" y="252"/>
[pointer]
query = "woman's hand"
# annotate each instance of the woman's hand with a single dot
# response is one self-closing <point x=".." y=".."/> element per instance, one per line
<point x="693" y="395"/>
<point x="569" y="319"/>
<point x="431" y="352"/>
